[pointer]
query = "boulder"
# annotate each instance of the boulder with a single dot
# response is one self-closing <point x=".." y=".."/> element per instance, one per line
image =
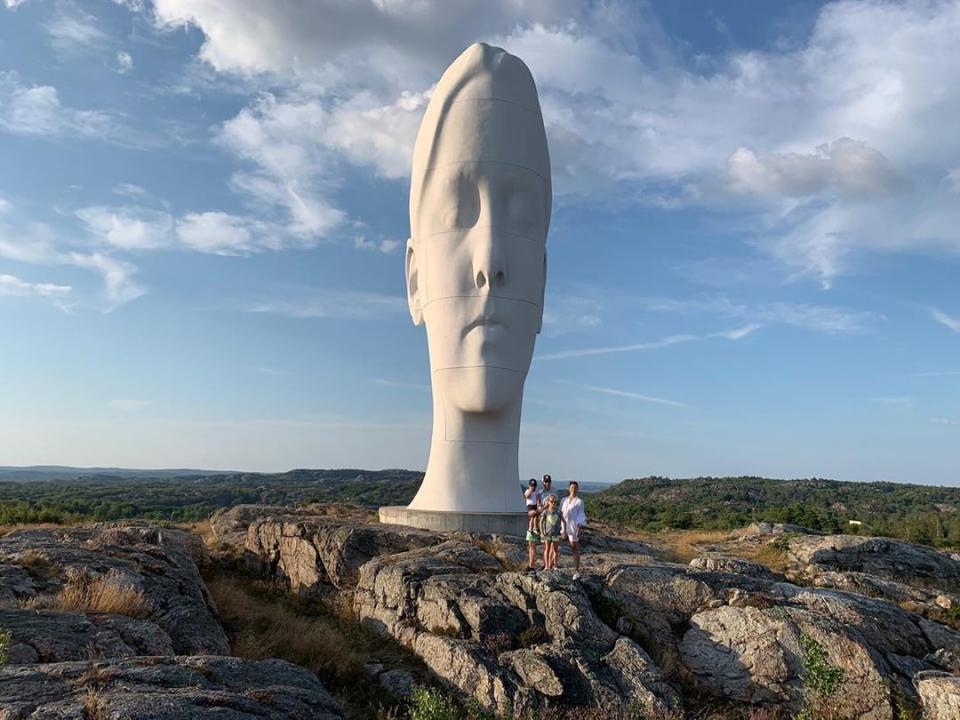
<point x="738" y="566"/>
<point x="309" y="549"/>
<point x="45" y="636"/>
<point x="756" y="657"/>
<point x="171" y="688"/>
<point x="880" y="557"/>
<point x="940" y="696"/>
<point x="35" y="565"/>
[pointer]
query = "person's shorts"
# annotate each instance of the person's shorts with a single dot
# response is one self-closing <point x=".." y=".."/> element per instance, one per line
<point x="533" y="537"/>
<point x="574" y="537"/>
<point x="547" y="539"/>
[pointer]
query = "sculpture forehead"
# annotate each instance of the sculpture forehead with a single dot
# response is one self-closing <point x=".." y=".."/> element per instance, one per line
<point x="484" y="108"/>
<point x="490" y="131"/>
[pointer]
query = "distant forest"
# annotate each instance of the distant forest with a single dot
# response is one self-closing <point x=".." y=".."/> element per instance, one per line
<point x="920" y="513"/>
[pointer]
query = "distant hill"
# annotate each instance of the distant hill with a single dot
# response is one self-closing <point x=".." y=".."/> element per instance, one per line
<point x="916" y="512"/>
<point x="183" y="496"/>
<point x="64" y="472"/>
<point x="921" y="513"/>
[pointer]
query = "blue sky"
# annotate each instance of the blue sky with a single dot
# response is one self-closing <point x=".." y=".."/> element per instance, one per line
<point x="754" y="252"/>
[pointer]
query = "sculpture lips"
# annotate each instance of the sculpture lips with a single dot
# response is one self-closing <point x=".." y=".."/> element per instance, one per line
<point x="485" y="321"/>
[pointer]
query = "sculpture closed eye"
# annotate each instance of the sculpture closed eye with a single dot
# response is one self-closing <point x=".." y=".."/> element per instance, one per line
<point x="524" y="212"/>
<point x="461" y="208"/>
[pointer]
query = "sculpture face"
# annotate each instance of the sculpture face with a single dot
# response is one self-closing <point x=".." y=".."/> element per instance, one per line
<point x="480" y="207"/>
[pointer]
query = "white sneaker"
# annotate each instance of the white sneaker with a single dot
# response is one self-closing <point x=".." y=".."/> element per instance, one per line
<point x="576" y="576"/>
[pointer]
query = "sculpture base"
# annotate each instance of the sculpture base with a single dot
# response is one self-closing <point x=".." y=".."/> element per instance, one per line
<point x="447" y="521"/>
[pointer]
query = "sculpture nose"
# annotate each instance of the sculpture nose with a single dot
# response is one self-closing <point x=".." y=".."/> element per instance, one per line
<point x="488" y="264"/>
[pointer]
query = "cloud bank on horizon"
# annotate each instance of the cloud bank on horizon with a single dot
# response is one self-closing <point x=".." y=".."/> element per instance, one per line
<point x="756" y="223"/>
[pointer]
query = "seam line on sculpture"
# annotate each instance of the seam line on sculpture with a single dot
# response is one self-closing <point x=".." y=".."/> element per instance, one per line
<point x="464" y="367"/>
<point x="498" y="297"/>
<point x="494" y="99"/>
<point x="480" y="227"/>
<point x="484" y="442"/>
<point x="484" y="162"/>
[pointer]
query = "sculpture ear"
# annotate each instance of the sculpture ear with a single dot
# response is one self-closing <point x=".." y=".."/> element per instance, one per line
<point x="543" y="292"/>
<point x="413" y="285"/>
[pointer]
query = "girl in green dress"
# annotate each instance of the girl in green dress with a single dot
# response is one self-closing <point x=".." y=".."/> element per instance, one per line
<point x="550" y="532"/>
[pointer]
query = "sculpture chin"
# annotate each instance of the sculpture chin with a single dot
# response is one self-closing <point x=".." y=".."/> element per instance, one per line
<point x="481" y="390"/>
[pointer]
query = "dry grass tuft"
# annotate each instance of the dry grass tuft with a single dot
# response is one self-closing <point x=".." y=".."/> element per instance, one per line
<point x="264" y="628"/>
<point x="263" y="621"/>
<point x="682" y="546"/>
<point x="93" y="706"/>
<point x="109" y="593"/>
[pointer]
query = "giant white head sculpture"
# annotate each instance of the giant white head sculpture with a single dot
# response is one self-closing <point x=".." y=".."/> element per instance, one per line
<point x="480" y="201"/>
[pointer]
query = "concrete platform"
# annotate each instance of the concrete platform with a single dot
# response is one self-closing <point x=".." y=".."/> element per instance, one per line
<point x="498" y="523"/>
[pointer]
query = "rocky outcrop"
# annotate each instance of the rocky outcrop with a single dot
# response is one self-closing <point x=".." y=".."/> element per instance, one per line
<point x="173" y="610"/>
<point x="895" y="560"/>
<point x="173" y="688"/>
<point x="636" y="631"/>
<point x="311" y="550"/>
<point x="511" y="640"/>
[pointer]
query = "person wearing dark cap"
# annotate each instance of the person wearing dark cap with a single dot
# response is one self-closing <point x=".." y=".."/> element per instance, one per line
<point x="547" y="486"/>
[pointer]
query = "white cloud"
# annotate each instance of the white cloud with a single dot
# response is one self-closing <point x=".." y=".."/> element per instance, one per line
<point x="627" y="394"/>
<point x="627" y="114"/>
<point x="12" y="285"/>
<point x="117" y="275"/>
<point x="333" y="304"/>
<point x="566" y="312"/>
<point x="13" y="3"/>
<point x="386" y="246"/>
<point x="818" y="318"/>
<point x="127" y="404"/>
<point x="291" y="170"/>
<point x="124" y="62"/>
<point x="36" y="243"/>
<point x="953" y="178"/>
<point x="947" y="320"/>
<point x="740" y="332"/>
<point x="271" y="371"/>
<point x="301" y="36"/>
<point x="610" y="349"/>
<point x="845" y="166"/>
<point x="943" y="421"/>
<point x="217" y="233"/>
<point x="29" y="243"/>
<point x="128" y="228"/>
<point x="5" y="205"/>
<point x="73" y="29"/>
<point x="381" y="136"/>
<point x="37" y="110"/>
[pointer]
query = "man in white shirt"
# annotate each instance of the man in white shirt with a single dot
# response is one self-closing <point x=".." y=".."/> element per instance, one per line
<point x="574" y="518"/>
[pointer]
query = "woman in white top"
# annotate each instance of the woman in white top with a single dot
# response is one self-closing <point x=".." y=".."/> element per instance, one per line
<point x="574" y="518"/>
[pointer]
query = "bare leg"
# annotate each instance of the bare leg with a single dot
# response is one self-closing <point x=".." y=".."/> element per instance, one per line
<point x="531" y="555"/>
<point x="575" y="546"/>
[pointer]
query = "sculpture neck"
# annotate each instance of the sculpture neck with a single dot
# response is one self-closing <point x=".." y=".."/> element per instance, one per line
<point x="473" y="465"/>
